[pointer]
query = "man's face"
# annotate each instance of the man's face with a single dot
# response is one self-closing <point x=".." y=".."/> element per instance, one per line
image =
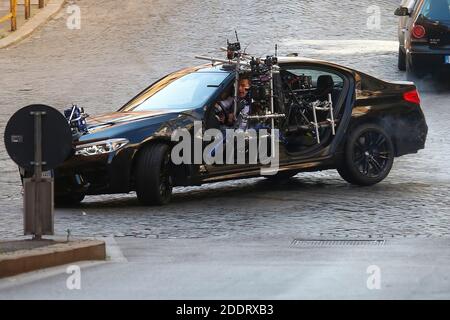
<point x="244" y="86"/>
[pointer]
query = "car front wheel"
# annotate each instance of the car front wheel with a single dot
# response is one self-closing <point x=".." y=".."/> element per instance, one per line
<point x="368" y="156"/>
<point x="153" y="175"/>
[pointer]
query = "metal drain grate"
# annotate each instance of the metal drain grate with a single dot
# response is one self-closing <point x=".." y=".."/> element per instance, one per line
<point x="323" y="243"/>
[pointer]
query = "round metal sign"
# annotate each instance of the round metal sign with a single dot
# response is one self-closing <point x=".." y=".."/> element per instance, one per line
<point x="56" y="137"/>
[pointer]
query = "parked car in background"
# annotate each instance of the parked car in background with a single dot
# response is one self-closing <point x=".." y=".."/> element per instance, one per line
<point x="402" y="25"/>
<point x="424" y="36"/>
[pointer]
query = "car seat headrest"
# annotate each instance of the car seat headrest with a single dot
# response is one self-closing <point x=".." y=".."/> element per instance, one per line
<point x="325" y="84"/>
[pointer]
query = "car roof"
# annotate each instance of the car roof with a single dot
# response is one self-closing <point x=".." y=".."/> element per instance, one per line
<point x="297" y="59"/>
<point x="288" y="60"/>
<point x="219" y="67"/>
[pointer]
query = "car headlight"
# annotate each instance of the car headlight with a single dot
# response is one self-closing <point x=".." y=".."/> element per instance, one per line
<point x="100" y="147"/>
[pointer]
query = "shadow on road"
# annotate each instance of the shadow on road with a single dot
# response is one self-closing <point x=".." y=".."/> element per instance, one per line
<point x="294" y="189"/>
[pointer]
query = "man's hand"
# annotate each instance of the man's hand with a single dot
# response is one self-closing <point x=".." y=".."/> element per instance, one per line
<point x="220" y="118"/>
<point x="231" y="119"/>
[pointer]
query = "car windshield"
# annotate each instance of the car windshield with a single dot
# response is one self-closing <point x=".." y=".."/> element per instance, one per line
<point x="436" y="10"/>
<point x="181" y="90"/>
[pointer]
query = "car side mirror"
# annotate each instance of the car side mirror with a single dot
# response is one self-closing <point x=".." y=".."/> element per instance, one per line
<point x="401" y="12"/>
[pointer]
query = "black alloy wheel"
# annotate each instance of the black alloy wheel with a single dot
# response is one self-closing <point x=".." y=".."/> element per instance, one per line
<point x="154" y="181"/>
<point x="369" y="156"/>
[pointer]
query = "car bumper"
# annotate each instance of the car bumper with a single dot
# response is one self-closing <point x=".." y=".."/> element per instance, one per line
<point x="411" y="132"/>
<point x="424" y="56"/>
<point x="101" y="174"/>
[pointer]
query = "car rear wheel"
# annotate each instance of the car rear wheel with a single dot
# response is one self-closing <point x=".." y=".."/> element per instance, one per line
<point x="413" y="70"/>
<point x="153" y="175"/>
<point x="69" y="200"/>
<point x="401" y="59"/>
<point x="368" y="156"/>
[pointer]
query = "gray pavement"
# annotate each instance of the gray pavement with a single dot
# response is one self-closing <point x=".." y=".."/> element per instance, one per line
<point x="249" y="268"/>
<point x="117" y="53"/>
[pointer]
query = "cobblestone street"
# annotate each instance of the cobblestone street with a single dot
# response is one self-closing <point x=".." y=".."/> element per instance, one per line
<point x="116" y="54"/>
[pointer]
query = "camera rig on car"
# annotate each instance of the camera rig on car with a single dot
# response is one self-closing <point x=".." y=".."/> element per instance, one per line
<point x="76" y="117"/>
<point x="262" y="72"/>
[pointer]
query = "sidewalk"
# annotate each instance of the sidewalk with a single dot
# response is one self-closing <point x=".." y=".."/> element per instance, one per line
<point x="271" y="268"/>
<point x="26" y="27"/>
<point x="20" y="256"/>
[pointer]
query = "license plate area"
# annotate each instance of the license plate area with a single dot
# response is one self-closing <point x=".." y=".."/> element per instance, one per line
<point x="434" y="42"/>
<point x="47" y="174"/>
<point x="438" y="40"/>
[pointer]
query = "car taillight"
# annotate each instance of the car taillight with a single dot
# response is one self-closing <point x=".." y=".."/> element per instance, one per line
<point x="418" y="32"/>
<point x="412" y="96"/>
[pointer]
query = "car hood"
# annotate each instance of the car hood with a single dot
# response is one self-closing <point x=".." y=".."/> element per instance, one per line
<point x="116" y="118"/>
<point x="132" y="125"/>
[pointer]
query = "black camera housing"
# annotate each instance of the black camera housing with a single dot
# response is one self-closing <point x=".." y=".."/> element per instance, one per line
<point x="235" y="46"/>
<point x="260" y="77"/>
<point x="232" y="49"/>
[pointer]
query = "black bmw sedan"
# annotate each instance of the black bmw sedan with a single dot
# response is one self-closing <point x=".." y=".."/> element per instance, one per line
<point x="327" y="117"/>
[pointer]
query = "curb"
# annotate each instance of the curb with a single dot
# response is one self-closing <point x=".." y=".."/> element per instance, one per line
<point x="54" y="255"/>
<point x="32" y="24"/>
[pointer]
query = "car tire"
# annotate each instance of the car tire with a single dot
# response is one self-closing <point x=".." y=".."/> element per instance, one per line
<point x="153" y="175"/>
<point x="68" y="200"/>
<point x="401" y="59"/>
<point x="281" y="176"/>
<point x="368" y="156"/>
<point x="413" y="71"/>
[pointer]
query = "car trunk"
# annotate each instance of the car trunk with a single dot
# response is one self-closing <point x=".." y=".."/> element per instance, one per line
<point x="435" y="18"/>
<point x="438" y="34"/>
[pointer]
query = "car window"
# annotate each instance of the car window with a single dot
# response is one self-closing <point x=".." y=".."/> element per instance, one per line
<point x="436" y="10"/>
<point x="178" y="91"/>
<point x="314" y="74"/>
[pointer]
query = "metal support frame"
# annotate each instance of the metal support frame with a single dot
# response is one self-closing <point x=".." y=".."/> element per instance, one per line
<point x="12" y="15"/>
<point x="27" y="5"/>
<point x="272" y="111"/>
<point x="323" y="106"/>
<point x="315" y="123"/>
<point x="236" y="84"/>
<point x="39" y="185"/>
<point x="13" y="4"/>
<point x="242" y="62"/>
<point x="37" y="170"/>
<point x="331" y="119"/>
<point x="239" y="64"/>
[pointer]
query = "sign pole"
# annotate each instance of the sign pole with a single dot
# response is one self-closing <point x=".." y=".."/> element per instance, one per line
<point x="37" y="138"/>
<point x="37" y="172"/>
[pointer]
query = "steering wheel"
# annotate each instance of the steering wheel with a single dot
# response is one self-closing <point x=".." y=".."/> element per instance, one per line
<point x="310" y="97"/>
<point x="220" y="113"/>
